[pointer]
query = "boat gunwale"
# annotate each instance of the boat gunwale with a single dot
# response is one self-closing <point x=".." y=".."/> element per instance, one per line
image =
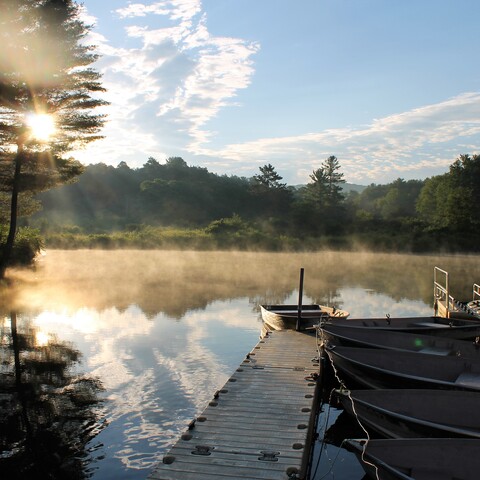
<point x="373" y="461"/>
<point x="456" y="349"/>
<point x="393" y="373"/>
<point x="409" y="418"/>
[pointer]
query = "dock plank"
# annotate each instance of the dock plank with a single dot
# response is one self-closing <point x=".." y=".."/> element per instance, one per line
<point x="259" y="424"/>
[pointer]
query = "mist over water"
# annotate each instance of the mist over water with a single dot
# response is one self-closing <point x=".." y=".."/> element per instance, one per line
<point x="158" y="332"/>
<point x="173" y="282"/>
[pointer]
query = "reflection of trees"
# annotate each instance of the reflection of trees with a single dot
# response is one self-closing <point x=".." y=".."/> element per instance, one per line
<point x="48" y="414"/>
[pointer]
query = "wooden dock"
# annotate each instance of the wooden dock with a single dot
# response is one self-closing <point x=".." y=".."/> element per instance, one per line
<point x="260" y="425"/>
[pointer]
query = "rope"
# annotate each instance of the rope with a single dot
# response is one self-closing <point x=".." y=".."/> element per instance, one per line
<point x="343" y="387"/>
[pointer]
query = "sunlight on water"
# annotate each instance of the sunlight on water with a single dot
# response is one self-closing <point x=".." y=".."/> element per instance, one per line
<point x="157" y="333"/>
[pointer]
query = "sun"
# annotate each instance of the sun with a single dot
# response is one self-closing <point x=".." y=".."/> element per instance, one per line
<point x="42" y="125"/>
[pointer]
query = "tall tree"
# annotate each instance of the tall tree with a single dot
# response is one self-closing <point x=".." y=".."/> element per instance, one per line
<point x="317" y="189"/>
<point x="323" y="195"/>
<point x="268" y="179"/>
<point x="334" y="179"/>
<point x="325" y="188"/>
<point x="48" y="93"/>
<point x="273" y="195"/>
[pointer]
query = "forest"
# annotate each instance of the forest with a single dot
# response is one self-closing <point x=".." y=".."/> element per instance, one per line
<point x="174" y="205"/>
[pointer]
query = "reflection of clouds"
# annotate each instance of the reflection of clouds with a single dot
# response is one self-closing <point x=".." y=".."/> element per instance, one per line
<point x="92" y="322"/>
<point x="158" y="373"/>
<point x="362" y="303"/>
<point x="113" y="372"/>
<point x="84" y="320"/>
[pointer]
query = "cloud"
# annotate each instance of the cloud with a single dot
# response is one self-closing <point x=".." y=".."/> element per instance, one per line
<point x="171" y="77"/>
<point x="174" y="80"/>
<point x="214" y="68"/>
<point x="175" y="9"/>
<point x="388" y="147"/>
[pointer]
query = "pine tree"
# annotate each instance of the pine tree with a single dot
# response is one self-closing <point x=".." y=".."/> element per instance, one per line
<point x="325" y="188"/>
<point x="44" y="71"/>
<point x="334" y="178"/>
<point x="268" y="179"/>
<point x="270" y="192"/>
<point x="317" y="189"/>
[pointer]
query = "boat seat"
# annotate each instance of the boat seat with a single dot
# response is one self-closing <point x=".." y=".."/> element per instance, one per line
<point x="435" y="351"/>
<point x="430" y="325"/>
<point x="468" y="379"/>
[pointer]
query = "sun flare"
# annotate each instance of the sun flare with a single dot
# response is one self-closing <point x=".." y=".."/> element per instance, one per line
<point x="41" y="125"/>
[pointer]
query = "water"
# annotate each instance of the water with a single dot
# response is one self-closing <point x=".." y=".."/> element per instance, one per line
<point x="107" y="356"/>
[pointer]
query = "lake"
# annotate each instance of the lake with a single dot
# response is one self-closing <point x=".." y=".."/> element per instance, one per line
<point x="108" y="355"/>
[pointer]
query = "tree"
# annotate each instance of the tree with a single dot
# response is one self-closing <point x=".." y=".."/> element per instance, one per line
<point x="270" y="192"/>
<point x="334" y="179"/>
<point x="325" y="188"/>
<point x="400" y="200"/>
<point x="323" y="195"/>
<point x="47" y="87"/>
<point x="176" y="162"/>
<point x="448" y="201"/>
<point x="268" y="179"/>
<point x="317" y="189"/>
<point x="465" y="172"/>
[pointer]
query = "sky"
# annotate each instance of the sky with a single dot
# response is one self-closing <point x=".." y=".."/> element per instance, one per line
<point x="390" y="87"/>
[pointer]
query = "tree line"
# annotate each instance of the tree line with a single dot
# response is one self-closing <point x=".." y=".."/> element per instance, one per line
<point x="418" y="215"/>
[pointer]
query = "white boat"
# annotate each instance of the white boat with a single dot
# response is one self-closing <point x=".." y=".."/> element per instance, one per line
<point x="281" y="317"/>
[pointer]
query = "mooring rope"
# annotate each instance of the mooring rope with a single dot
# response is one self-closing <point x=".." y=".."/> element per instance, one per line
<point x="347" y="391"/>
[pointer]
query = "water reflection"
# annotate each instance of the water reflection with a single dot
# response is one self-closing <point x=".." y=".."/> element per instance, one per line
<point x="158" y="373"/>
<point x="162" y="331"/>
<point x="48" y="415"/>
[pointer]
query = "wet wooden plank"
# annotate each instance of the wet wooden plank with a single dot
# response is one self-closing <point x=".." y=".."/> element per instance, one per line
<point x="259" y="424"/>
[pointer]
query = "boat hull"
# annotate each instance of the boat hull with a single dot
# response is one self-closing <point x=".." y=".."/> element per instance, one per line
<point x="285" y="317"/>
<point x="375" y="368"/>
<point x="437" y="326"/>
<point x="415" y="413"/>
<point x="398" y="340"/>
<point x="419" y="459"/>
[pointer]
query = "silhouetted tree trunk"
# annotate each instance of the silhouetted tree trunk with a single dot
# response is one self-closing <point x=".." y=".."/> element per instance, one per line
<point x="8" y="248"/>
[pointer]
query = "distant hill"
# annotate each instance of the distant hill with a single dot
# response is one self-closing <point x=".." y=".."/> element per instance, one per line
<point x="346" y="187"/>
<point x="352" y="187"/>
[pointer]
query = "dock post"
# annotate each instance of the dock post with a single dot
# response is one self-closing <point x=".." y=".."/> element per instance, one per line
<point x="300" y="295"/>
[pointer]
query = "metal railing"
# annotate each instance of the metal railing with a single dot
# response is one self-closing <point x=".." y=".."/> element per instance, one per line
<point x="476" y="292"/>
<point x="441" y="293"/>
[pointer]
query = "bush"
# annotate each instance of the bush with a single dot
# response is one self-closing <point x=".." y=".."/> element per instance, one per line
<point x="28" y="244"/>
